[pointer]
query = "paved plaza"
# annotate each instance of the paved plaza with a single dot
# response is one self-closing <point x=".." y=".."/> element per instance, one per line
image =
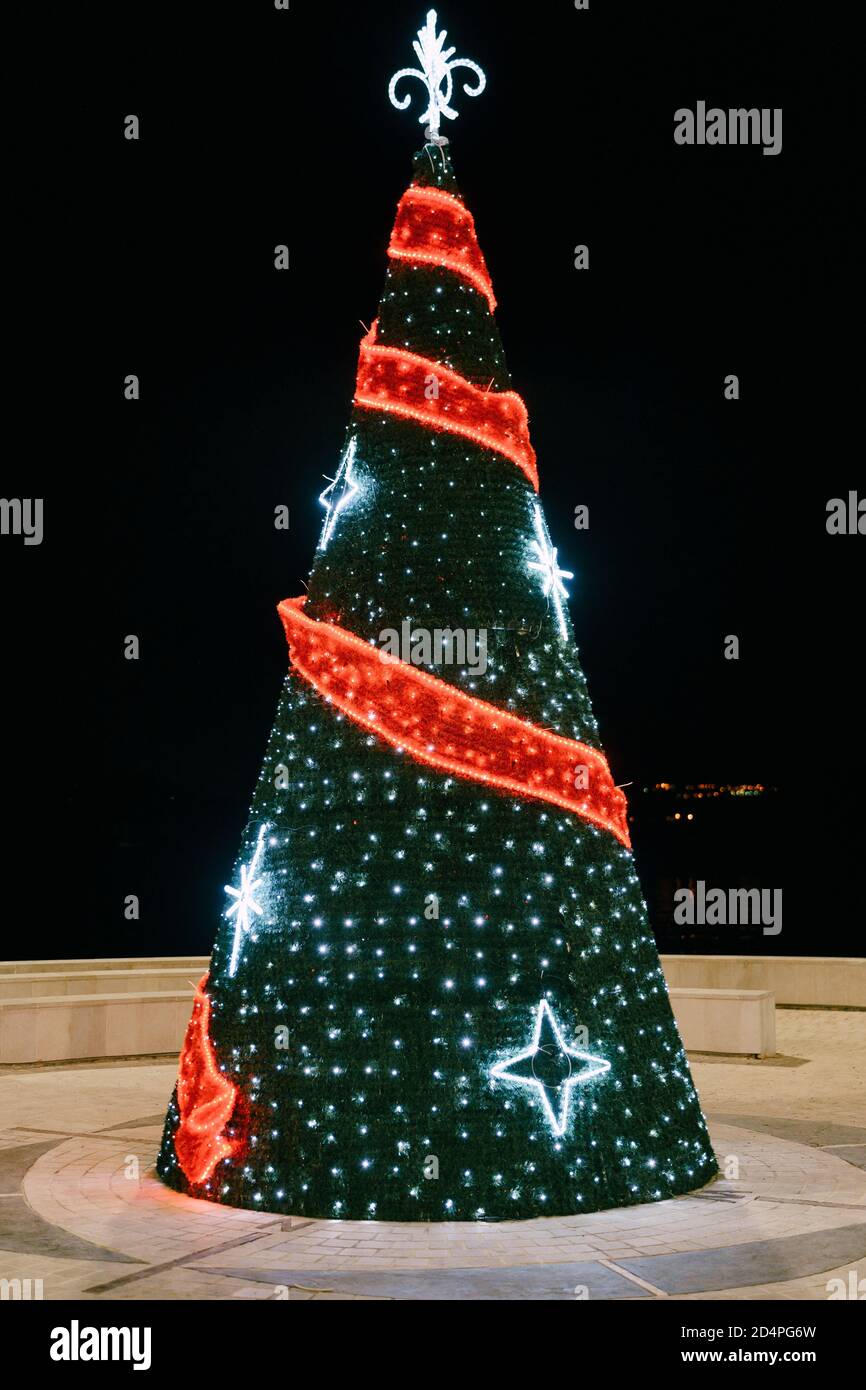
<point x="81" y="1209"/>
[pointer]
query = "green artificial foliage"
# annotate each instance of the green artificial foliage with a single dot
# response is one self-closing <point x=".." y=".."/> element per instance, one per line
<point x="360" y="1027"/>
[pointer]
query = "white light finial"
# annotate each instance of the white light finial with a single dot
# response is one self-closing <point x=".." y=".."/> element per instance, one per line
<point x="435" y="73"/>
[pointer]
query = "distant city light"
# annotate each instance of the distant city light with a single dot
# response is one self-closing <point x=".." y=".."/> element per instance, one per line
<point x="700" y="791"/>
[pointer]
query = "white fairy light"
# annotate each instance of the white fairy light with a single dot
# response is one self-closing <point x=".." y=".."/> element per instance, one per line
<point x="435" y="73"/>
<point x="342" y="490"/>
<point x="548" y="566"/>
<point x="596" y="1066"/>
<point x="245" y="901"/>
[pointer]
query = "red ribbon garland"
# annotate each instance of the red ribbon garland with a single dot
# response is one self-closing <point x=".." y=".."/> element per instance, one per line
<point x="399" y="382"/>
<point x="447" y="729"/>
<point x="435" y="228"/>
<point x="205" y="1098"/>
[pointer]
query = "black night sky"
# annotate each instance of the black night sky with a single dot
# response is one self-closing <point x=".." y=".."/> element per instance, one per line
<point x="261" y="127"/>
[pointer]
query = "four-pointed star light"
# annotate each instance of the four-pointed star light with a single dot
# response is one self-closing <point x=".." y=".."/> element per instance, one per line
<point x="547" y="565"/>
<point x="245" y="902"/>
<point x="340" y="493"/>
<point x="547" y="1065"/>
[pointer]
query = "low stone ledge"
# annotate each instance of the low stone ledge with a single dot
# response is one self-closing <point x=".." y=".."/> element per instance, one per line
<point x="830" y="982"/>
<point x="740" y="1022"/>
<point x="55" y="1028"/>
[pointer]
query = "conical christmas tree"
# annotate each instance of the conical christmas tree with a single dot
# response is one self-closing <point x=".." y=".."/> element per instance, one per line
<point x="434" y="994"/>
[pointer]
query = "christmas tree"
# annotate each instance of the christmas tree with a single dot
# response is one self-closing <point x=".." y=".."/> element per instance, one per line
<point x="434" y="994"/>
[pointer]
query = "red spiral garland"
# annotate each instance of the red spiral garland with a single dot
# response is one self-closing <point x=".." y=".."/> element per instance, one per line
<point x="205" y="1098"/>
<point x="447" y="729"/>
<point x="435" y="228"/>
<point x="417" y="388"/>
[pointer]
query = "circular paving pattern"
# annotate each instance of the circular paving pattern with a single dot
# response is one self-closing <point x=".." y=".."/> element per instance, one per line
<point x="785" y="1212"/>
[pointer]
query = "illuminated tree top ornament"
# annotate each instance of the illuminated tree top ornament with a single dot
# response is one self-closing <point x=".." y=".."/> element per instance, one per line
<point x="435" y="72"/>
<point x="546" y="1066"/>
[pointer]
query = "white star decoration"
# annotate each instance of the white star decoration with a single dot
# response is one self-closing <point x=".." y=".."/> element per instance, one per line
<point x="521" y="1069"/>
<point x="245" y="901"/>
<point x="333" y="499"/>
<point x="548" y="566"/>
